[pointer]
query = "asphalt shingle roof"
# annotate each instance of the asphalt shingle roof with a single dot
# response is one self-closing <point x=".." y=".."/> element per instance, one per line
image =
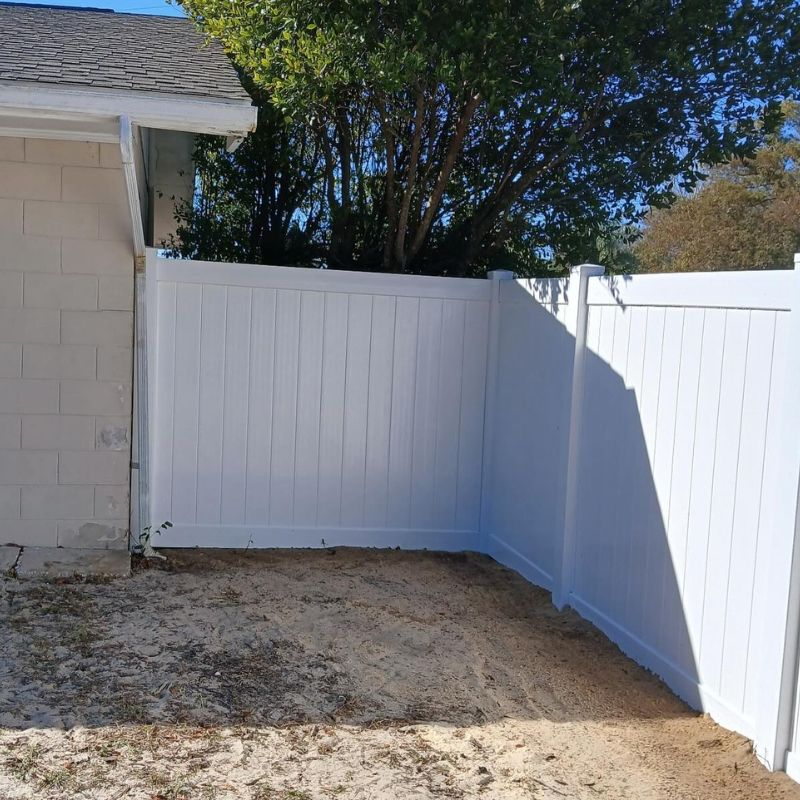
<point x="87" y="47"/>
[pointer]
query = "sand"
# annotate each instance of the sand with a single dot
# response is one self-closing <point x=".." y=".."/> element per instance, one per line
<point x="338" y="674"/>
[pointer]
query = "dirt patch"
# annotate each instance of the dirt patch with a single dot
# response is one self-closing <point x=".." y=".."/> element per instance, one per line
<point x="338" y="674"/>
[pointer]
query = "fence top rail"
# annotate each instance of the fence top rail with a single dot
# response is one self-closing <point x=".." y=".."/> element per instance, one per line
<point x="545" y="291"/>
<point x="257" y="276"/>
<point x="757" y="289"/>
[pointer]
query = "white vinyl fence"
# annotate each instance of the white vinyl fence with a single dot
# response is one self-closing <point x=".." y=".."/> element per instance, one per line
<point x="631" y="444"/>
<point x="296" y="408"/>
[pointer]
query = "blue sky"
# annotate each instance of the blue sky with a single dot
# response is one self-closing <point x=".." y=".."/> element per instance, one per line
<point x="130" y="6"/>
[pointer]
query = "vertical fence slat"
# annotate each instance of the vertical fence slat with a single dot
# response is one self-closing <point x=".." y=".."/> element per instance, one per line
<point x="748" y="496"/>
<point x="187" y="392"/>
<point x="379" y="410"/>
<point x="448" y="418"/>
<point x="237" y="387"/>
<point x="164" y="404"/>
<point x="681" y="487"/>
<point x="354" y="458"/>
<point x="661" y="581"/>
<point x="728" y="426"/>
<point x="708" y="400"/>
<point x="404" y="381"/>
<point x="429" y="344"/>
<point x="331" y="433"/>
<point x="210" y="404"/>
<point x="259" y="406"/>
<point x="309" y="390"/>
<point x="645" y="513"/>
<point x="472" y="400"/>
<point x="284" y="408"/>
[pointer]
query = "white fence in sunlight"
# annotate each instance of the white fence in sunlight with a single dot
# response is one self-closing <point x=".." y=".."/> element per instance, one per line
<point x="631" y="444"/>
<point x="668" y="520"/>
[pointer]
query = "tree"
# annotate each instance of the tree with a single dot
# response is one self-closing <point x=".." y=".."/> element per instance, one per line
<point x="259" y="204"/>
<point x="746" y="215"/>
<point x="453" y="132"/>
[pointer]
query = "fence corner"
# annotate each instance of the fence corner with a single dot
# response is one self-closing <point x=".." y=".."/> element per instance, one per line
<point x="576" y="325"/>
<point x="490" y="403"/>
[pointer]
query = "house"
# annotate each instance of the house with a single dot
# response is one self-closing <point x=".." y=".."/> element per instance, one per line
<point x="97" y="116"/>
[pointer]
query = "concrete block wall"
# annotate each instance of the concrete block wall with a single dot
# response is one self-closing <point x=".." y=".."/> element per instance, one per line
<point x="66" y="335"/>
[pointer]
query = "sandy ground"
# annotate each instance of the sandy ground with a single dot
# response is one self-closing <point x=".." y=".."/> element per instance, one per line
<point x="347" y="674"/>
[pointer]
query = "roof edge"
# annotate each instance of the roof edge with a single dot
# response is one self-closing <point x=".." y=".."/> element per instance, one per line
<point x="218" y="116"/>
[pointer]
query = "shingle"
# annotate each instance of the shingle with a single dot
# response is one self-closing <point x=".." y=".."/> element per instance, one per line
<point x="82" y="47"/>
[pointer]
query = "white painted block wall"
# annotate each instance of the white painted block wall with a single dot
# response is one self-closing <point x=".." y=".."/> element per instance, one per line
<point x="66" y="295"/>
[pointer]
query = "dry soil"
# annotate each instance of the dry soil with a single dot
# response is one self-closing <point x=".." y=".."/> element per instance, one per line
<point x="339" y="674"/>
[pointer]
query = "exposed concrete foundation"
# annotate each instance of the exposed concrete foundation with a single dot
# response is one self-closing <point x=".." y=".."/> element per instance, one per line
<point x="59" y="562"/>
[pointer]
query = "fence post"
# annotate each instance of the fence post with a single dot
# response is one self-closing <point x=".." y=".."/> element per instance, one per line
<point x="578" y="312"/>
<point x="779" y="578"/>
<point x="490" y="403"/>
<point x="144" y="319"/>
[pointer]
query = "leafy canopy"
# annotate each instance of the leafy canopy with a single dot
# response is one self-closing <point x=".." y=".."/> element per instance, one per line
<point x="458" y="133"/>
<point x="746" y="215"/>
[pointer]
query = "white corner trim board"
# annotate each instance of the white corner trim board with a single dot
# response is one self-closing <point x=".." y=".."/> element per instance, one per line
<point x="131" y="185"/>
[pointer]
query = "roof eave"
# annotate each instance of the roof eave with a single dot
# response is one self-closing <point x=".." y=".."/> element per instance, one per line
<point x="231" y="118"/>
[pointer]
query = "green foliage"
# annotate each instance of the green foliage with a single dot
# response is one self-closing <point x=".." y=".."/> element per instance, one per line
<point x="256" y="205"/>
<point x="746" y="215"/>
<point x="458" y="133"/>
<point x="145" y="543"/>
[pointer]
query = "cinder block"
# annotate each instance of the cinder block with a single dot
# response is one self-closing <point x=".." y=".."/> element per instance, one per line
<point x="97" y="327"/>
<point x="67" y="220"/>
<point x="29" y="532"/>
<point x="116" y="293"/>
<point x="95" y="397"/>
<point x="10" y="288"/>
<point x="12" y="148"/>
<point x="115" y="224"/>
<point x="110" y="156"/>
<point x="29" y="326"/>
<point x="101" y="468"/>
<point x="30" y="181"/>
<point x="9" y="502"/>
<point x="19" y="396"/>
<point x="97" y="258"/>
<point x="52" y="151"/>
<point x="21" y="467"/>
<point x="86" y="185"/>
<point x="115" y="364"/>
<point x="30" y="253"/>
<point x="113" y="433"/>
<point x="73" y="361"/>
<point x="57" y="432"/>
<point x="111" y="502"/>
<point x="10" y="425"/>
<point x="112" y="535"/>
<point x="57" y="502"/>
<point x="10" y="215"/>
<point x="10" y="361"/>
<point x="72" y="292"/>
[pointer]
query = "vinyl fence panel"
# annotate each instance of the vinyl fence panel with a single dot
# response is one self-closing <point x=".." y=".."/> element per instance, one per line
<point x="297" y="407"/>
